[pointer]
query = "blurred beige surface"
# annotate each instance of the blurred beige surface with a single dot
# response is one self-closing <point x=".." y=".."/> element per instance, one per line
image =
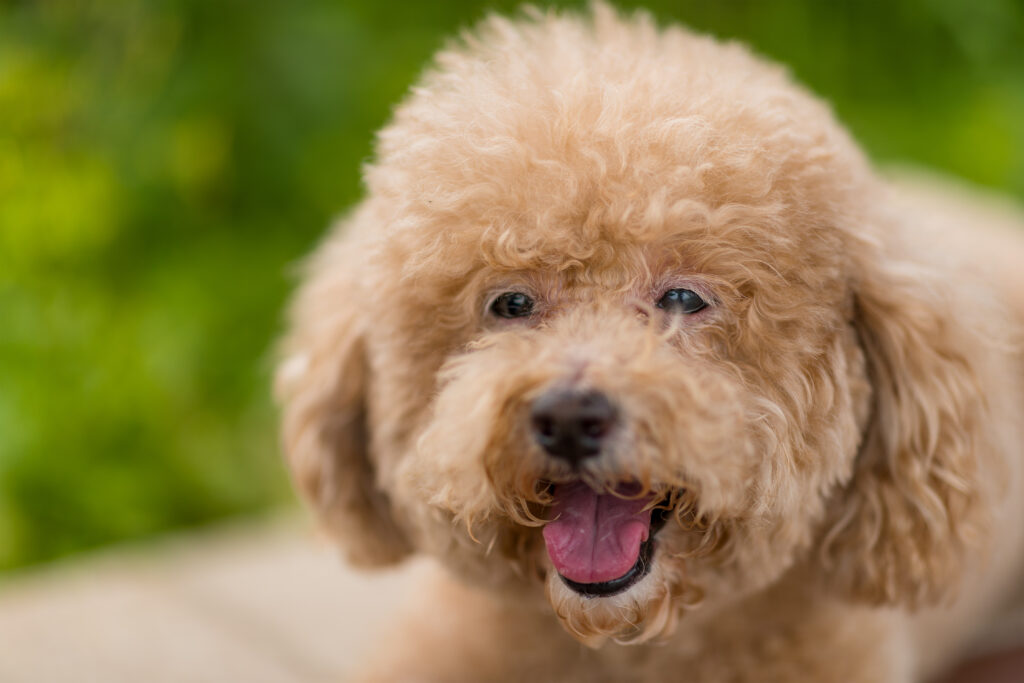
<point x="259" y="602"/>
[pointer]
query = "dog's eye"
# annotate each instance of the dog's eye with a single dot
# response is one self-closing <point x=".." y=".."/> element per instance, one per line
<point x="681" y="301"/>
<point x="512" y="305"/>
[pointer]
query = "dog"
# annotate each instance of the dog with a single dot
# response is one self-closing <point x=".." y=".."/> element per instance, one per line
<point x="632" y="339"/>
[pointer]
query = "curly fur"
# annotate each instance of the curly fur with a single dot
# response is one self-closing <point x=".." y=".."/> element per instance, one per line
<point x="831" y="433"/>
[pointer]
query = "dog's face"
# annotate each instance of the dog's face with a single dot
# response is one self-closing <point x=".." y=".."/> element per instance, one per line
<point x="612" y="322"/>
<point x="638" y="413"/>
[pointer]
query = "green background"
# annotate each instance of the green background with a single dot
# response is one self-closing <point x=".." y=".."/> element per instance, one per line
<point x="164" y="165"/>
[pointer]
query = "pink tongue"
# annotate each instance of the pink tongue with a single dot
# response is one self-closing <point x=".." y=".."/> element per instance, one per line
<point x="595" y="538"/>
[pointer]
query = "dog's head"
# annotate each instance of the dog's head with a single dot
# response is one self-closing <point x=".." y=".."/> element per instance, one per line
<point x="621" y="317"/>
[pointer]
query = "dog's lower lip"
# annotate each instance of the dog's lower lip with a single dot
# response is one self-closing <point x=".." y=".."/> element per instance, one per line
<point x="606" y="589"/>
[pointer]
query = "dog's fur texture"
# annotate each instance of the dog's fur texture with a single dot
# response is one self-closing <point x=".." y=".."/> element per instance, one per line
<point x="839" y="433"/>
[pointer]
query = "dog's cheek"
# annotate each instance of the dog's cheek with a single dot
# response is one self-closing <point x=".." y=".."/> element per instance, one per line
<point x="688" y="423"/>
<point x="803" y="451"/>
<point x="442" y="483"/>
<point x="443" y="468"/>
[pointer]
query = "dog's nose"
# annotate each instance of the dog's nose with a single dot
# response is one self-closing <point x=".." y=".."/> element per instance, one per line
<point x="571" y="425"/>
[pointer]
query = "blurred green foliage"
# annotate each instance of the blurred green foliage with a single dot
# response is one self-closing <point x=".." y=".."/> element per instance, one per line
<point x="164" y="164"/>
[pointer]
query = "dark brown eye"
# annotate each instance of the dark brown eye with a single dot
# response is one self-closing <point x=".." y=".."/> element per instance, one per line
<point x="512" y="305"/>
<point x="681" y="301"/>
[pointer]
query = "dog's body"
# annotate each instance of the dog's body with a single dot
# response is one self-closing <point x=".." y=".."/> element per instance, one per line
<point x="629" y="336"/>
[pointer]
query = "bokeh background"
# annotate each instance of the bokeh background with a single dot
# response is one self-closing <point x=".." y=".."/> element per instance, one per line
<point x="164" y="166"/>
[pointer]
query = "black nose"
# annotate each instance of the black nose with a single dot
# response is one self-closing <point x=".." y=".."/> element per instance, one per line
<point x="572" y="424"/>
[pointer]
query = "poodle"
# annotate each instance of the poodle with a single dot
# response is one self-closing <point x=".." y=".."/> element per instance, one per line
<point x="629" y="336"/>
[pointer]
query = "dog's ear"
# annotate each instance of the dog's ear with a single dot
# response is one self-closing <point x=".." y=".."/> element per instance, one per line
<point x="321" y="383"/>
<point x="900" y="533"/>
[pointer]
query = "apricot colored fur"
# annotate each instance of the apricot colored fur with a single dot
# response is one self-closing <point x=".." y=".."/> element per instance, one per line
<point x="842" y="428"/>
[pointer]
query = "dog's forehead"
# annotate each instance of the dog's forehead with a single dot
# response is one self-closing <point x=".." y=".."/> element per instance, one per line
<point x="535" y="150"/>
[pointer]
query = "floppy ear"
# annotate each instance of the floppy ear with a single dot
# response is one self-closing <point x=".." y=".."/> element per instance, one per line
<point x="321" y="383"/>
<point x="900" y="531"/>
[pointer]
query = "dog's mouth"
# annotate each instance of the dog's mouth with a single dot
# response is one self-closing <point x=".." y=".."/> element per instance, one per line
<point x="601" y="544"/>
